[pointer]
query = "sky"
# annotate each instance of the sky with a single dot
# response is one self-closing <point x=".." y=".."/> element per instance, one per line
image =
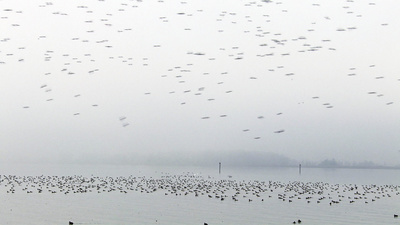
<point x="157" y="81"/>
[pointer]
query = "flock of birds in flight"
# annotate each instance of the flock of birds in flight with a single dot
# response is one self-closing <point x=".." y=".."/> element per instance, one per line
<point x="103" y="31"/>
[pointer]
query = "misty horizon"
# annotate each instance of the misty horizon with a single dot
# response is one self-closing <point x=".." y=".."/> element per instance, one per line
<point x="208" y="159"/>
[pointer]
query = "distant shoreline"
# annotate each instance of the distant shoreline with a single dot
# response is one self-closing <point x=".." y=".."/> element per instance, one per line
<point x="318" y="167"/>
<point x="353" y="167"/>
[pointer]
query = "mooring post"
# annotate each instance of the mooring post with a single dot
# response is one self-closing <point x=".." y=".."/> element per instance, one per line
<point x="219" y="169"/>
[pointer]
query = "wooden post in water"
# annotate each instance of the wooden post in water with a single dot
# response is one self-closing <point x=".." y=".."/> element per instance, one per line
<point x="219" y="169"/>
<point x="300" y="169"/>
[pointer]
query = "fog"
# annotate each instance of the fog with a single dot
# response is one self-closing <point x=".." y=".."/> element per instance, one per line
<point x="262" y="83"/>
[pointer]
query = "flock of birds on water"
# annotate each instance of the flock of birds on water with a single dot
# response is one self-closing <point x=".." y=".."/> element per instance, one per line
<point x="200" y="64"/>
<point x="198" y="186"/>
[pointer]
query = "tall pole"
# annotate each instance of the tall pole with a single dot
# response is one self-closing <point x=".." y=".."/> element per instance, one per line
<point x="299" y="168"/>
<point x="219" y="170"/>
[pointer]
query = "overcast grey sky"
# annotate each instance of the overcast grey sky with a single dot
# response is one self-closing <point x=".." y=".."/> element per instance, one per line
<point x="107" y="79"/>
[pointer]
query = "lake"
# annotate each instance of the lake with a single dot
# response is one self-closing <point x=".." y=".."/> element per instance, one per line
<point x="120" y="194"/>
